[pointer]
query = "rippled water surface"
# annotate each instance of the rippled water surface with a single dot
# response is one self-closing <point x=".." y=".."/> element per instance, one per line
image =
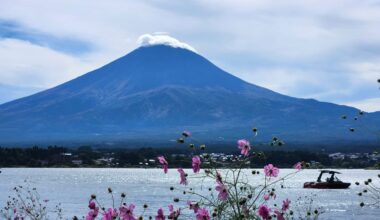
<point x="72" y="188"/>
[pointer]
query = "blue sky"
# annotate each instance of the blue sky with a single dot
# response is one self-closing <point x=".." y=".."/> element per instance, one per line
<point x="328" y="50"/>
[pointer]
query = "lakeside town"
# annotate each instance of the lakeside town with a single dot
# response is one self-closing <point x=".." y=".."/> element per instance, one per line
<point x="147" y="158"/>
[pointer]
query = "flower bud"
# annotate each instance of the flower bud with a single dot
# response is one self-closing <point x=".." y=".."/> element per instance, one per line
<point x="242" y="201"/>
<point x="180" y="140"/>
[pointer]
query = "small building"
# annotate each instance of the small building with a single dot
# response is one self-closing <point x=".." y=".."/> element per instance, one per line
<point x="77" y="162"/>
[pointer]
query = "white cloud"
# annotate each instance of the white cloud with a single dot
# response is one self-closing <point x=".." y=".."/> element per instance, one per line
<point x="368" y="70"/>
<point x="281" y="80"/>
<point x="162" y="38"/>
<point x="369" y="105"/>
<point x="30" y="65"/>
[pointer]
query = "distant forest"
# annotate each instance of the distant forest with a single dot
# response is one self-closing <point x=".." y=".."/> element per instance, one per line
<point x="177" y="157"/>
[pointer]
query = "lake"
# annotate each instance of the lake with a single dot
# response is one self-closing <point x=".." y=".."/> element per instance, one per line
<point x="72" y="188"/>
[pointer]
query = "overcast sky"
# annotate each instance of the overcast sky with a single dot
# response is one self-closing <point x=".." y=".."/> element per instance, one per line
<point x="327" y="50"/>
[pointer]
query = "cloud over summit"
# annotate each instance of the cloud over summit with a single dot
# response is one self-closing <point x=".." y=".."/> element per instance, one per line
<point x="162" y="38"/>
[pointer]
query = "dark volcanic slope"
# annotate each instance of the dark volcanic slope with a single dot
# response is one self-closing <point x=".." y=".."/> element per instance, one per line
<point x="155" y="92"/>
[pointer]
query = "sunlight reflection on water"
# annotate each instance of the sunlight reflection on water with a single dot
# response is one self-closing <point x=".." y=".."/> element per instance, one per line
<point x="72" y="187"/>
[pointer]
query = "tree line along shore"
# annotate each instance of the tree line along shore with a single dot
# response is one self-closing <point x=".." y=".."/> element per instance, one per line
<point x="86" y="156"/>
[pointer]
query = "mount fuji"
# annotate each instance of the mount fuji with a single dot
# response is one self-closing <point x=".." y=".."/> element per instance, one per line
<point x="153" y="93"/>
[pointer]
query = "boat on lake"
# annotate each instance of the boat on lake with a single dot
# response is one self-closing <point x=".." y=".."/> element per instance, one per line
<point x="331" y="182"/>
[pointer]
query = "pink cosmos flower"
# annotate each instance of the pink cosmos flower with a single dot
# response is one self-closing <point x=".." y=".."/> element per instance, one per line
<point x="298" y="166"/>
<point x="107" y="216"/>
<point x="271" y="170"/>
<point x="266" y="197"/>
<point x="110" y="214"/>
<point x="244" y="147"/>
<point x="196" y="164"/>
<point x="285" y="204"/>
<point x="186" y="133"/>
<point x="164" y="163"/>
<point x="202" y="214"/>
<point x="223" y="193"/>
<point x="193" y="206"/>
<point x="126" y="212"/>
<point x="174" y="213"/>
<point x="183" y="176"/>
<point x="91" y="215"/>
<point x="264" y="212"/>
<point x="279" y="215"/>
<point x="91" y="205"/>
<point x="160" y="214"/>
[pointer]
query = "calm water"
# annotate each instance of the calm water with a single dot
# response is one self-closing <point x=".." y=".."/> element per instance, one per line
<point x="72" y="188"/>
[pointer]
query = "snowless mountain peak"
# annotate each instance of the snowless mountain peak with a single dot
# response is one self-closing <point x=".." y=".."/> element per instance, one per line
<point x="162" y="38"/>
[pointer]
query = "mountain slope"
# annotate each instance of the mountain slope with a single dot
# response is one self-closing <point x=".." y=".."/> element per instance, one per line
<point x="155" y="92"/>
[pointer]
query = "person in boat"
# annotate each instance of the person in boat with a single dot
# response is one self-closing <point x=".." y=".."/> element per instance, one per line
<point x="330" y="179"/>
